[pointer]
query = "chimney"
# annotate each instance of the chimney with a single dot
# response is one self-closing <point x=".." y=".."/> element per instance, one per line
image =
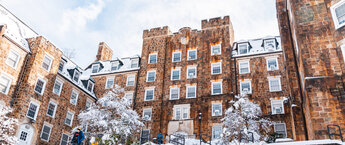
<point x="104" y="52"/>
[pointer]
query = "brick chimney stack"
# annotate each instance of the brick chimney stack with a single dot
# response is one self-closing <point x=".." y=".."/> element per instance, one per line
<point x="104" y="52"/>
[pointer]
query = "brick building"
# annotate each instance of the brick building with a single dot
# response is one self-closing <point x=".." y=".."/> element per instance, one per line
<point x="312" y="36"/>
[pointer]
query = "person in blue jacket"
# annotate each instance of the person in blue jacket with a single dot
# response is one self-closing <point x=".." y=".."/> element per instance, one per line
<point x="78" y="137"/>
<point x="159" y="138"/>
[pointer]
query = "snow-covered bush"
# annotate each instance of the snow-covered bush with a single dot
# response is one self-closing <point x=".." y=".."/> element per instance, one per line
<point x="112" y="116"/>
<point x="7" y="126"/>
<point x="243" y="121"/>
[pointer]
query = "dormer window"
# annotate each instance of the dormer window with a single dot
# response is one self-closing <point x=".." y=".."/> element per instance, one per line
<point x="135" y="63"/>
<point x="61" y="65"/>
<point x="95" y="68"/>
<point x="90" y="86"/>
<point x="269" y="44"/>
<point x="114" y="65"/>
<point x="243" y="48"/>
<point x="76" y="75"/>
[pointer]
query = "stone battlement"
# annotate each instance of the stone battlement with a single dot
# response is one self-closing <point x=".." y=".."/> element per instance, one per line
<point x="214" y="22"/>
<point x="156" y="32"/>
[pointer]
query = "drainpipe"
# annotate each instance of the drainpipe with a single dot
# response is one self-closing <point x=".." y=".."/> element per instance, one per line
<point x="136" y="89"/>
<point x="298" y="75"/>
<point x="162" y="96"/>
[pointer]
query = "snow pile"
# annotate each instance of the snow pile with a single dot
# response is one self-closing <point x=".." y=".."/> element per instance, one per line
<point x="7" y="126"/>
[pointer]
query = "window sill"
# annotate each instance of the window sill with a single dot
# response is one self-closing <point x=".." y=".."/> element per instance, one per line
<point x="276" y="91"/>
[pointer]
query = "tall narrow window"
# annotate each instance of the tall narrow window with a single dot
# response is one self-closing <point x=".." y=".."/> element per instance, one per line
<point x="174" y="93"/>
<point x="5" y="84"/>
<point x="175" y="74"/>
<point x="61" y="65"/>
<point x="88" y="104"/>
<point x="216" y="49"/>
<point x="51" y="109"/>
<point x="69" y="118"/>
<point x="76" y="76"/>
<point x="216" y="131"/>
<point x="32" y="110"/>
<point x="192" y="54"/>
<point x="176" y="56"/>
<point x="65" y="139"/>
<point x="151" y="76"/>
<point x="216" y="68"/>
<point x="274" y="84"/>
<point x="216" y="88"/>
<point x="147" y="114"/>
<point x="74" y="97"/>
<point x="153" y="58"/>
<point x="216" y="109"/>
<point x="57" y="86"/>
<point x="110" y="83"/>
<point x="13" y="59"/>
<point x="45" y="134"/>
<point x="40" y="86"/>
<point x="178" y="113"/>
<point x="191" y="92"/>
<point x="130" y="80"/>
<point x="47" y="61"/>
<point x="244" y="67"/>
<point x="149" y="94"/>
<point x="90" y="86"/>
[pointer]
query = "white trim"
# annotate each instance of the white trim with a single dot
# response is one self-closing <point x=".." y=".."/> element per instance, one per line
<point x="94" y="65"/>
<point x="179" y="74"/>
<point x="221" y="109"/>
<point x="71" y="118"/>
<point x="274" y="43"/>
<point x="150" y="58"/>
<point x="147" y="76"/>
<point x="271" y="58"/>
<point x="280" y="102"/>
<point x="106" y="83"/>
<point x="43" y="87"/>
<point x="68" y="138"/>
<point x="250" y="86"/>
<point x="76" y="98"/>
<point x="149" y="110"/>
<point x="335" y="18"/>
<point x="220" y="49"/>
<point x="182" y="114"/>
<point x="173" y="56"/>
<point x="50" y="130"/>
<point x="9" y="83"/>
<point x="63" y="66"/>
<point x="153" y="97"/>
<point x="61" y="82"/>
<point x="88" y="101"/>
<point x="274" y="126"/>
<point x="269" y="83"/>
<point x="136" y="60"/>
<point x="76" y="71"/>
<point x="129" y="76"/>
<point x="178" y="93"/>
<point x="342" y="47"/>
<point x="213" y="65"/>
<point x="36" y="111"/>
<point x="221" y="87"/>
<point x="54" y="111"/>
<point x="196" y="54"/>
<point x="192" y="67"/>
<point x="239" y="66"/>
<point x="213" y="130"/>
<point x="238" y="48"/>
<point x="88" y="83"/>
<point x="16" y="61"/>
<point x="51" y="61"/>
<point x="194" y="86"/>
<point x="129" y="94"/>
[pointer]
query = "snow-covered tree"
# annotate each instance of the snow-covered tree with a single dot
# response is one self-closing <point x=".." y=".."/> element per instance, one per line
<point x="111" y="115"/>
<point x="7" y="126"/>
<point x="243" y="120"/>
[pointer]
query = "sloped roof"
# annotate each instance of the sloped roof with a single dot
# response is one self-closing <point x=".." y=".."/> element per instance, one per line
<point x="256" y="46"/>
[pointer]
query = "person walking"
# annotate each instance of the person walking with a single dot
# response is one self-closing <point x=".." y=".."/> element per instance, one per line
<point x="78" y="137"/>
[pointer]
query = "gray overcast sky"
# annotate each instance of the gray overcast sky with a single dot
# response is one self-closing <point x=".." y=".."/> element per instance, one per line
<point x="82" y="24"/>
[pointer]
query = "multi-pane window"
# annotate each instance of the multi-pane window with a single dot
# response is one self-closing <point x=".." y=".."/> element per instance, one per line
<point x="181" y="111"/>
<point x="338" y="14"/>
<point x="147" y="114"/>
<point x="57" y="86"/>
<point x="243" y="67"/>
<point x="74" y="97"/>
<point x="149" y="93"/>
<point x="216" y="109"/>
<point x="274" y="84"/>
<point x="246" y="87"/>
<point x="90" y="86"/>
<point x="277" y="106"/>
<point x="130" y="80"/>
<point x="151" y="76"/>
<point x="216" y="88"/>
<point x="191" y="72"/>
<point x="243" y="48"/>
<point x="153" y="58"/>
<point x="145" y="135"/>
<point x="47" y="61"/>
<point x="216" y="68"/>
<point x="45" y="134"/>
<point x="40" y="86"/>
<point x="51" y="109"/>
<point x="129" y="97"/>
<point x="185" y="112"/>
<point x="12" y="59"/>
<point x="134" y="63"/>
<point x="217" y="131"/>
<point x="69" y="118"/>
<point x="88" y="104"/>
<point x="176" y="56"/>
<point x="95" y="68"/>
<point x="280" y="128"/>
<point x="61" y="65"/>
<point x="115" y="65"/>
<point x="32" y="110"/>
<point x="65" y="139"/>
<point x="175" y="74"/>
<point x="177" y="113"/>
<point x="23" y="136"/>
<point x="216" y="49"/>
<point x="110" y="83"/>
<point x="76" y="76"/>
<point x="270" y="44"/>
<point x="192" y="54"/>
<point x="272" y="64"/>
<point x="174" y="93"/>
<point x="191" y="92"/>
<point x="5" y="84"/>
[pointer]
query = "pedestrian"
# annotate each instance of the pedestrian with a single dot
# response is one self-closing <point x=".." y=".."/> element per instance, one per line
<point x="78" y="137"/>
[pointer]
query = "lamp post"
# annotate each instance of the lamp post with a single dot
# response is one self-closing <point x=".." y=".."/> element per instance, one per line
<point x="200" y="126"/>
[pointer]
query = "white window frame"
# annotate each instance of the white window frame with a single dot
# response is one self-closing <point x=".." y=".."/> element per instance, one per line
<point x="95" y="65"/>
<point x="71" y="118"/>
<point x="334" y="16"/>
<point x="16" y="61"/>
<point x="136" y="60"/>
<point x="63" y="66"/>
<point x="50" y="64"/>
<point x="173" y="56"/>
<point x="220" y="49"/>
<point x="9" y="83"/>
<point x="272" y="58"/>
<point x="247" y="47"/>
<point x="183" y="112"/>
<point x="92" y="85"/>
<point x="239" y="66"/>
<point x="88" y="102"/>
<point x="177" y="116"/>
<point x="36" y="112"/>
<point x="76" y="98"/>
<point x="43" y="87"/>
<point x="147" y="110"/>
<point x="76" y="71"/>
<point x="178" y="93"/>
<point x="115" y="64"/>
<point x="187" y="88"/>
<point x="269" y="83"/>
<point x="147" y="75"/>
<point x="250" y="87"/>
<point x="149" y="62"/>
<point x="179" y="75"/>
<point x="221" y="109"/>
<point x="59" y="81"/>
<point x="68" y="138"/>
<point x="342" y="47"/>
<point x="106" y="83"/>
<point x="153" y="97"/>
<point x="214" y="65"/>
<point x="221" y="87"/>
<point x="54" y="111"/>
<point x="280" y="102"/>
<point x="129" y="94"/>
<point x="284" y="126"/>
<point x="196" y="54"/>
<point x="214" y="129"/>
<point x="191" y="67"/>
<point x="128" y="77"/>
<point x="266" y="43"/>
<point x="50" y="130"/>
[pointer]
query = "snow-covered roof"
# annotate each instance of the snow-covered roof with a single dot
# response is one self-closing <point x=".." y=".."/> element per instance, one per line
<point x="257" y="46"/>
<point x="84" y="78"/>
<point x="16" y="30"/>
<point x="125" y="65"/>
